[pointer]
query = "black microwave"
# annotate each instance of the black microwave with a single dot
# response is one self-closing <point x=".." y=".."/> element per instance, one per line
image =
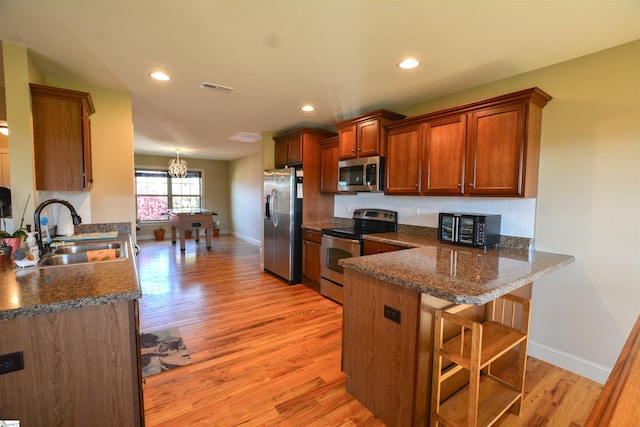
<point x="468" y="229"/>
<point x="363" y="174"/>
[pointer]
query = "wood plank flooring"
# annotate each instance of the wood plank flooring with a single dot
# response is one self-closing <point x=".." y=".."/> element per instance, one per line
<point x="268" y="354"/>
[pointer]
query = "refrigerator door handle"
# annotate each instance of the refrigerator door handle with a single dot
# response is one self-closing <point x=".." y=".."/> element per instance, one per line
<point x="272" y="200"/>
<point x="267" y="207"/>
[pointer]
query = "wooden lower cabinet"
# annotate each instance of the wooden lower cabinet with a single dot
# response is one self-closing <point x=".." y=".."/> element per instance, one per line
<point x="81" y="368"/>
<point x="387" y="348"/>
<point x="311" y="259"/>
<point x="372" y="247"/>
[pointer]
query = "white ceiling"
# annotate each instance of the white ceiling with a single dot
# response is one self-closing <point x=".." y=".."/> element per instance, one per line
<point x="338" y="55"/>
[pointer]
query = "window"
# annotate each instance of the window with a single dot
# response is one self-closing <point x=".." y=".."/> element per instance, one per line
<point x="156" y="192"/>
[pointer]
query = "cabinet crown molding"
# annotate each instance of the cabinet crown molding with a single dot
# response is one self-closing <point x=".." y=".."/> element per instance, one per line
<point x="535" y="95"/>
<point x="65" y="94"/>
<point x="378" y="114"/>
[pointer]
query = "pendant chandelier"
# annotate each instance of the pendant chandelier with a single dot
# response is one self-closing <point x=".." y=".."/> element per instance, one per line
<point x="177" y="167"/>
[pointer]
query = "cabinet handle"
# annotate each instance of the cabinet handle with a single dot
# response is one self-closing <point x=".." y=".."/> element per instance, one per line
<point x="416" y="185"/>
<point x="471" y="184"/>
<point x="459" y="185"/>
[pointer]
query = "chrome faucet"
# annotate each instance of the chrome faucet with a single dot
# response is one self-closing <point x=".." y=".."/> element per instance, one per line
<point x="36" y="218"/>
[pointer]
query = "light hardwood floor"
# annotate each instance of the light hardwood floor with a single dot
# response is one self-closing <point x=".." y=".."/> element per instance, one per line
<point x="268" y="354"/>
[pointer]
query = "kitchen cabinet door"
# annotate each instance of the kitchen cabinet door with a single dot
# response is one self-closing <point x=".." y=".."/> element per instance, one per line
<point x="368" y="138"/>
<point x="61" y="136"/>
<point x="496" y="151"/>
<point x="404" y="147"/>
<point x="288" y="150"/>
<point x="281" y="153"/>
<point x="365" y="136"/>
<point x="294" y="149"/>
<point x="444" y="150"/>
<point x="329" y="157"/>
<point x="311" y="259"/>
<point x="347" y="137"/>
<point x="371" y="247"/>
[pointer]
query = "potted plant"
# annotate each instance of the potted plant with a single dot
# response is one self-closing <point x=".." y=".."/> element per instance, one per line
<point x="216" y="228"/>
<point x="159" y="233"/>
<point x="5" y="251"/>
<point x="14" y="240"/>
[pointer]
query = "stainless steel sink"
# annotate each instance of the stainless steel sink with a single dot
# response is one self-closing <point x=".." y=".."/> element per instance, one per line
<point x="76" y="253"/>
<point x="84" y="247"/>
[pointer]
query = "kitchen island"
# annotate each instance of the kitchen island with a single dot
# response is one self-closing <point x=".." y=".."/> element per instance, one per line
<point x="389" y="307"/>
<point x="77" y="329"/>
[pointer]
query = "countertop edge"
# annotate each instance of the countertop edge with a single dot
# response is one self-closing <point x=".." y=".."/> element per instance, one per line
<point x="457" y="298"/>
<point x="37" y="310"/>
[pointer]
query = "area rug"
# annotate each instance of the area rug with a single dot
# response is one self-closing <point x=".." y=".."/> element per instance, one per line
<point x="162" y="350"/>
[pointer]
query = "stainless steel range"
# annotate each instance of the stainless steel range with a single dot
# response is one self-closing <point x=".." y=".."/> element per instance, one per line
<point x="346" y="242"/>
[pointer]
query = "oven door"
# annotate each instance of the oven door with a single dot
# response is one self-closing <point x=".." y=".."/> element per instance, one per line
<point x="333" y="249"/>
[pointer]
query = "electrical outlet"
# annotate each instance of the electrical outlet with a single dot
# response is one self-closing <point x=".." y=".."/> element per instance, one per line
<point x="392" y="314"/>
<point x="11" y="362"/>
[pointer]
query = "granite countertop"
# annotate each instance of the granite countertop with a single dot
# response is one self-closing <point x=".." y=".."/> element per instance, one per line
<point x="34" y="291"/>
<point x="455" y="273"/>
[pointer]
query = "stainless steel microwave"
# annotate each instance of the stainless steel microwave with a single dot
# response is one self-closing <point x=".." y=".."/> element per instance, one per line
<point x="363" y="174"/>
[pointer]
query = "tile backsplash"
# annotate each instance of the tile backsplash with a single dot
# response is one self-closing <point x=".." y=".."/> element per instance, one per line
<point x="518" y="215"/>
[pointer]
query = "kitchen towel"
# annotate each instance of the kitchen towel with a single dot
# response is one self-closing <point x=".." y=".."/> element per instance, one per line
<point x="101" y="255"/>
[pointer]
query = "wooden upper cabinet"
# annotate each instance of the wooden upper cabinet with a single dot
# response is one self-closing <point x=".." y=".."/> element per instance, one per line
<point x="365" y="136"/>
<point x="61" y="138"/>
<point x="288" y="150"/>
<point x="404" y="147"/>
<point x="496" y="151"/>
<point x="347" y="146"/>
<point x="486" y="148"/>
<point x="444" y="156"/>
<point x="303" y="149"/>
<point x="329" y="165"/>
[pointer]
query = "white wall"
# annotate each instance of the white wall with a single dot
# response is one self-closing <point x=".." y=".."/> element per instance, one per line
<point x="245" y="175"/>
<point x="588" y="205"/>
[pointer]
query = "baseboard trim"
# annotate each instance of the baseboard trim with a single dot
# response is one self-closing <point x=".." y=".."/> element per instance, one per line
<point x="577" y="365"/>
<point x="246" y="238"/>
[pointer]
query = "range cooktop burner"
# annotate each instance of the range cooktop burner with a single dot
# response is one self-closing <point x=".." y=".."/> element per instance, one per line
<point x="366" y="221"/>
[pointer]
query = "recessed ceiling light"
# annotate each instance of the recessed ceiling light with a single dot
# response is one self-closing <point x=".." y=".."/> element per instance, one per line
<point x="307" y="108"/>
<point x="409" y="64"/>
<point x="159" y="75"/>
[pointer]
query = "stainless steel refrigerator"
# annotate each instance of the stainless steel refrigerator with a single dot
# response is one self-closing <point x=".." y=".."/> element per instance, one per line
<point x="282" y="237"/>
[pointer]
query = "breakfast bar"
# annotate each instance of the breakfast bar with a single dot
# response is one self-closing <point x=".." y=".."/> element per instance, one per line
<point x="390" y="304"/>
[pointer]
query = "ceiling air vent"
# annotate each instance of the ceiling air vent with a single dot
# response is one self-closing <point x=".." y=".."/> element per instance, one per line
<point x="217" y="88"/>
<point x="245" y="137"/>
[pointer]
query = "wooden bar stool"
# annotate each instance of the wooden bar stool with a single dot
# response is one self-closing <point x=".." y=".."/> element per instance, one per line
<point x="467" y="348"/>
